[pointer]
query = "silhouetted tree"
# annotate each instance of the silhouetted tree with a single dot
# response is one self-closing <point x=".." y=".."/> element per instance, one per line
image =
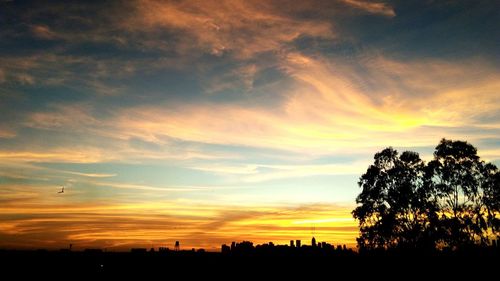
<point x="463" y="189"/>
<point x="492" y="197"/>
<point x="452" y="201"/>
<point x="392" y="211"/>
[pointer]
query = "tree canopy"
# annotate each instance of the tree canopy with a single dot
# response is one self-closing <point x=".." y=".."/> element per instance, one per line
<point x="450" y="202"/>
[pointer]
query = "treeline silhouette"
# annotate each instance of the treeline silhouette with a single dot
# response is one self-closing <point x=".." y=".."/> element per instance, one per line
<point x="451" y="203"/>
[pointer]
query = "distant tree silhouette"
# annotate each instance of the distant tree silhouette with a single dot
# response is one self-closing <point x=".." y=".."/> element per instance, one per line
<point x="450" y="202"/>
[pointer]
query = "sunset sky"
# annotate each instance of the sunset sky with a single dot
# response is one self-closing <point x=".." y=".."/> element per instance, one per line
<point x="216" y="121"/>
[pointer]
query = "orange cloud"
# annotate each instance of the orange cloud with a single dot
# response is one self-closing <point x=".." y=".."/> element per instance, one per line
<point x="243" y="28"/>
<point x="66" y="117"/>
<point x="43" y="31"/>
<point x="7" y="133"/>
<point x="372" y="7"/>
<point x="73" y="155"/>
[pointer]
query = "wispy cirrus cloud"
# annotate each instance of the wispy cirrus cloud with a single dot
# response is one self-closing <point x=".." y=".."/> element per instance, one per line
<point x="254" y="173"/>
<point x="91" y="175"/>
<point x="43" y="31"/>
<point x="7" y="133"/>
<point x="243" y="28"/>
<point x="82" y="155"/>
<point x="372" y="7"/>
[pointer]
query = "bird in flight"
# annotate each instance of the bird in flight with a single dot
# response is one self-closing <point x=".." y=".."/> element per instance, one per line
<point x="62" y="190"/>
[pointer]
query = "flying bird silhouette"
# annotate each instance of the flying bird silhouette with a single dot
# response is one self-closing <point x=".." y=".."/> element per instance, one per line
<point x="62" y="190"/>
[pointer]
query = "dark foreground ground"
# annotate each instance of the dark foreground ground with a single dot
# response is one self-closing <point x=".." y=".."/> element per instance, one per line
<point x="214" y="266"/>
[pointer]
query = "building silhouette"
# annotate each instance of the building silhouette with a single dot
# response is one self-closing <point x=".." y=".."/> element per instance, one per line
<point x="225" y="249"/>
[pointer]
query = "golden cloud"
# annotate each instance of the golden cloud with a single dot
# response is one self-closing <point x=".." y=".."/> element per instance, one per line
<point x="161" y="223"/>
<point x="330" y="109"/>
<point x="73" y="155"/>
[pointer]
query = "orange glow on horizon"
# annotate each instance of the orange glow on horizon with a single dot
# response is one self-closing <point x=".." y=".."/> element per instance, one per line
<point x="120" y="227"/>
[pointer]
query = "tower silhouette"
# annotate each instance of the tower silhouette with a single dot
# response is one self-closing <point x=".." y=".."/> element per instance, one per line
<point x="313" y="231"/>
<point x="177" y="246"/>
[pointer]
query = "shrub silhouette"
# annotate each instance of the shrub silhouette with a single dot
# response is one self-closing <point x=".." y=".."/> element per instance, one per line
<point x="451" y="202"/>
